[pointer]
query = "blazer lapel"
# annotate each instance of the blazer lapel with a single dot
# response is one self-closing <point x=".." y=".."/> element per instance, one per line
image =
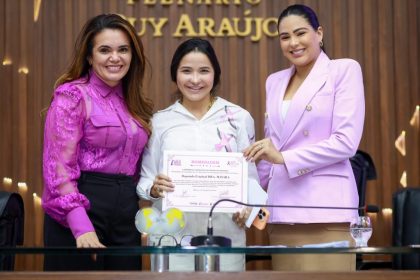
<point x="315" y="80"/>
<point x="275" y="101"/>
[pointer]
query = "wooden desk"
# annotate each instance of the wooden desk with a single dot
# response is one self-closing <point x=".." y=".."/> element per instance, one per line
<point x="249" y="275"/>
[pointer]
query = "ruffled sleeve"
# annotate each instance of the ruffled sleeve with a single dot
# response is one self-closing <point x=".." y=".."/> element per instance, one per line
<point x="62" y="133"/>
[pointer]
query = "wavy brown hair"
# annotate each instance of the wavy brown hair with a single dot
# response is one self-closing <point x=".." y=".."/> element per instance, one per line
<point x="139" y="106"/>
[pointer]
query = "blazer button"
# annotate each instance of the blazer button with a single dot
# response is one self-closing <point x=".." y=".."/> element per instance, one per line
<point x="305" y="132"/>
<point x="308" y="107"/>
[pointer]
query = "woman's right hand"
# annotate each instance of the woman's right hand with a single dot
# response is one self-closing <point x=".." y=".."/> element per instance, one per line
<point x="240" y="217"/>
<point x="161" y="184"/>
<point x="263" y="149"/>
<point x="89" y="240"/>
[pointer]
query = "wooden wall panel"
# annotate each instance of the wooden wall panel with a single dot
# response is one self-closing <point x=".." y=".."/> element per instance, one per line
<point x="413" y="65"/>
<point x="383" y="35"/>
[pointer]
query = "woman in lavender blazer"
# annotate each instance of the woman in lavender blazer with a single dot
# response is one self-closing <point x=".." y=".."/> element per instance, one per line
<point x="313" y="125"/>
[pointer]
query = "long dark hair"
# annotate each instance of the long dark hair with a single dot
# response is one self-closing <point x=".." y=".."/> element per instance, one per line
<point x="139" y="106"/>
<point x="196" y="45"/>
<point x="303" y="11"/>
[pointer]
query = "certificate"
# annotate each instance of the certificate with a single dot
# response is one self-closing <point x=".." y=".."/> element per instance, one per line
<point x="202" y="178"/>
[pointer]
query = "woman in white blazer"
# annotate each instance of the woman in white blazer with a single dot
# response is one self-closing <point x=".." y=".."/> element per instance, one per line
<point x="200" y="121"/>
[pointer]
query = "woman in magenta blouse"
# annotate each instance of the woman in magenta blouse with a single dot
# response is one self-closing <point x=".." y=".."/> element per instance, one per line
<point x="96" y="128"/>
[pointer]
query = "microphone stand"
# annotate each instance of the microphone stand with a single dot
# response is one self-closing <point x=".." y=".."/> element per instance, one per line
<point x="211" y="262"/>
<point x="210" y="223"/>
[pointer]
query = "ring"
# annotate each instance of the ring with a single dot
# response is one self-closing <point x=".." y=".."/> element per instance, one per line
<point x="260" y="146"/>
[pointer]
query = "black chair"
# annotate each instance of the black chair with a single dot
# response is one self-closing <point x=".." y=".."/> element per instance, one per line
<point x="11" y="225"/>
<point x="363" y="170"/>
<point x="406" y="226"/>
<point x="405" y="231"/>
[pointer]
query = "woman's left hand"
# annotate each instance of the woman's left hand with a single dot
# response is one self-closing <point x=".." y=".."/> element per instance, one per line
<point x="240" y="217"/>
<point x="263" y="149"/>
<point x="89" y="240"/>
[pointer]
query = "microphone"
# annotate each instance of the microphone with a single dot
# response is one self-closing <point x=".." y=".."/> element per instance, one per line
<point x="371" y="209"/>
<point x="209" y="239"/>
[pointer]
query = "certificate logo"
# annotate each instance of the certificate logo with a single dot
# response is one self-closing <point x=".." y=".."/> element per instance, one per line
<point x="232" y="163"/>
<point x="176" y="162"/>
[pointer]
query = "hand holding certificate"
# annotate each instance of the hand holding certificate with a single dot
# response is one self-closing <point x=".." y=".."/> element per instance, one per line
<point x="202" y="178"/>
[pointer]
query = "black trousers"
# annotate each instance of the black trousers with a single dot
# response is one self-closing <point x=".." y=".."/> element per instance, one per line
<point x="114" y="204"/>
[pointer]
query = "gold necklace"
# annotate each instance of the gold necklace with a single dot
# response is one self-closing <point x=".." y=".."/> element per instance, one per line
<point x="212" y="100"/>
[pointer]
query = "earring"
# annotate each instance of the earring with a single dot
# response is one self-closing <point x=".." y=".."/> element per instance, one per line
<point x="321" y="44"/>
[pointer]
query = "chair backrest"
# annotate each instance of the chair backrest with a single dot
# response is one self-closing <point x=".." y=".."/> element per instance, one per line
<point x="406" y="226"/>
<point x="11" y="225"/>
<point x="364" y="170"/>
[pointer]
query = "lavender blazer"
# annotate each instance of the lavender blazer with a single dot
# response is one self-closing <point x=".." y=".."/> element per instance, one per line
<point x="321" y="131"/>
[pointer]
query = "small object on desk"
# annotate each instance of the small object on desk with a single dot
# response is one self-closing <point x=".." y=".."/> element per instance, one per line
<point x="361" y="230"/>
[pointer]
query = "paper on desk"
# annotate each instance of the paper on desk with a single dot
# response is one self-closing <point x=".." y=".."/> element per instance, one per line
<point x="343" y="243"/>
<point x="267" y="246"/>
<point x="337" y="244"/>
